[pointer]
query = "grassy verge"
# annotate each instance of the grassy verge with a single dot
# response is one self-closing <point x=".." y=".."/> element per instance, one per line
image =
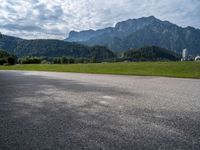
<point x="168" y="69"/>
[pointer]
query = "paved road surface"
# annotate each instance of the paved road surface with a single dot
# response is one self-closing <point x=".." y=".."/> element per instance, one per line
<point x="69" y="111"/>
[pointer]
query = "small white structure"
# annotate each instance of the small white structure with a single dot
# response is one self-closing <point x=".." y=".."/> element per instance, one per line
<point x="197" y="58"/>
<point x="184" y="55"/>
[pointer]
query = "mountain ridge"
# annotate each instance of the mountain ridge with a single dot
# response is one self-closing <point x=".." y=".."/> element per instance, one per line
<point x="165" y="34"/>
<point x="52" y="48"/>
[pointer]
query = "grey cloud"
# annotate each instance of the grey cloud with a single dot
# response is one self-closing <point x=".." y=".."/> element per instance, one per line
<point x="15" y="27"/>
<point x="54" y="14"/>
<point x="55" y="18"/>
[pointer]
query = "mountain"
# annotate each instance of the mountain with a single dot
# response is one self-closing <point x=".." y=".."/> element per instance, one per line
<point x="136" y="33"/>
<point x="9" y="43"/>
<point x="150" y="53"/>
<point x="53" y="48"/>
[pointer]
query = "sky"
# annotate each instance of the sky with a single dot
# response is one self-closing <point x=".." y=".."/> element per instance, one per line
<point x="32" y="19"/>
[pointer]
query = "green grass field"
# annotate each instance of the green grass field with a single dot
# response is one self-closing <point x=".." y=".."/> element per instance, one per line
<point x="167" y="69"/>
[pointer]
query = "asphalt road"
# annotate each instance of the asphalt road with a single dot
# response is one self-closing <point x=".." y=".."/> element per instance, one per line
<point x="69" y="111"/>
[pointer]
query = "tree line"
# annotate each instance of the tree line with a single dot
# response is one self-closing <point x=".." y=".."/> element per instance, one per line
<point x="6" y="58"/>
<point x="98" y="54"/>
<point x="56" y="60"/>
<point x="151" y="53"/>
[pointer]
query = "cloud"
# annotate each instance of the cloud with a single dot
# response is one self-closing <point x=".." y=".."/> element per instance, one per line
<point x="55" y="18"/>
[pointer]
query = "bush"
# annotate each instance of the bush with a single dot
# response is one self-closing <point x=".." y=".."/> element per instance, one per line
<point x="6" y="58"/>
<point x="11" y="60"/>
<point x="30" y="60"/>
<point x="2" y="61"/>
<point x="45" y="62"/>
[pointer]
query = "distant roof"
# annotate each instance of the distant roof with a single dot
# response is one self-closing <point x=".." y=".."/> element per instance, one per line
<point x="197" y="58"/>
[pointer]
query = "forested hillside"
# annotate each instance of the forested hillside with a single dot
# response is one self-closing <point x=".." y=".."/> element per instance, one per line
<point x="151" y="53"/>
<point x="53" y="48"/>
<point x="9" y="43"/>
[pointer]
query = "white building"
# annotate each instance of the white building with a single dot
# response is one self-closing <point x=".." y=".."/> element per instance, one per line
<point x="197" y="58"/>
<point x="185" y="55"/>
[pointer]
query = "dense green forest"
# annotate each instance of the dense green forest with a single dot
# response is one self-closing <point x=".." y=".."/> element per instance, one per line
<point x="150" y="53"/>
<point x="94" y="54"/>
<point x="48" y="51"/>
<point x="57" y="48"/>
<point x="6" y="58"/>
<point x="52" y="48"/>
<point x="57" y="60"/>
<point x="3" y="53"/>
<point x="9" y="43"/>
<point x="102" y="54"/>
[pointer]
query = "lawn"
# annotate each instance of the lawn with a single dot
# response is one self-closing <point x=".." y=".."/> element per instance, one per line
<point x="167" y="69"/>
